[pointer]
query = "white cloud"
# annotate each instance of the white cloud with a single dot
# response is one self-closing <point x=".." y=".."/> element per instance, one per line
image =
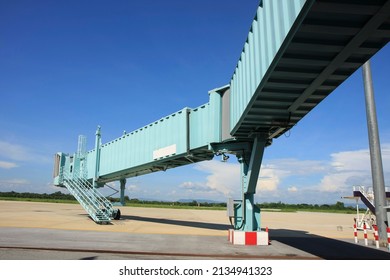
<point x="188" y="185"/>
<point x="350" y="168"/>
<point x="269" y="179"/>
<point x="292" y="189"/>
<point x="224" y="177"/>
<point x="339" y="174"/>
<point x="196" y="187"/>
<point x="304" y="179"/>
<point x="7" y="164"/>
<point x="15" y="181"/>
<point x="275" y="172"/>
<point x="14" y="184"/>
<point x="132" y="187"/>
<point x="134" y="190"/>
<point x="25" y="185"/>
<point x="18" y="152"/>
<point x="14" y="151"/>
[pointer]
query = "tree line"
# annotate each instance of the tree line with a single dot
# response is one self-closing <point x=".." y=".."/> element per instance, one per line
<point x="56" y="195"/>
<point x="266" y="205"/>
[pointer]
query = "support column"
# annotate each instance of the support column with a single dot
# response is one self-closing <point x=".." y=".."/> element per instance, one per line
<point x="250" y="161"/>
<point x="246" y="215"/>
<point x="97" y="153"/>
<point x="122" y="193"/>
<point x="375" y="155"/>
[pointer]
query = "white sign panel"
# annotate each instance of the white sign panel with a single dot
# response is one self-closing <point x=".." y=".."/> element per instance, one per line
<point x="164" y="152"/>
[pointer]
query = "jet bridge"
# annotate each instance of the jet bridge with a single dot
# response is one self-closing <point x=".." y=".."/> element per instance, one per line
<point x="296" y="53"/>
<point x="178" y="139"/>
<point x="181" y="138"/>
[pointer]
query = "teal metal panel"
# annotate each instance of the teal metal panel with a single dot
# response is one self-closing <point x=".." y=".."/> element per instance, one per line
<point x="269" y="29"/>
<point x="206" y="123"/>
<point x="215" y="114"/>
<point x="161" y="139"/>
<point x="199" y="126"/>
<point x="91" y="161"/>
<point x="68" y="164"/>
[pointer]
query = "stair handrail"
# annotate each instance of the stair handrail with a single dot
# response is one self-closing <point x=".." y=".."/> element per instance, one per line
<point x="96" y="205"/>
<point x="93" y="191"/>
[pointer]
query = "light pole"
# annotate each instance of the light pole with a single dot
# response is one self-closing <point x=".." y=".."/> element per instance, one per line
<point x="375" y="155"/>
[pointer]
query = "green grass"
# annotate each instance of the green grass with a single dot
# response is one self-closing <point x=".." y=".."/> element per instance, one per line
<point x="49" y="200"/>
<point x="173" y="206"/>
<point x="177" y="206"/>
<point x="141" y="205"/>
<point x="285" y="210"/>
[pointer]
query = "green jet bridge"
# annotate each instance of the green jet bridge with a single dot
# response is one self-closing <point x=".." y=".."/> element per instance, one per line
<point x="296" y="53"/>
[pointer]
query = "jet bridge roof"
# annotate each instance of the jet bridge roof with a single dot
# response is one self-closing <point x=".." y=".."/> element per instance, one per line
<point x="328" y="41"/>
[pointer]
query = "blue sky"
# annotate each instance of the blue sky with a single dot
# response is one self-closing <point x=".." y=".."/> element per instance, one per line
<point x="68" y="66"/>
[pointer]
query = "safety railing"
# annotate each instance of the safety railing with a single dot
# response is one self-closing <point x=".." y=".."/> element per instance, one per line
<point x="95" y="204"/>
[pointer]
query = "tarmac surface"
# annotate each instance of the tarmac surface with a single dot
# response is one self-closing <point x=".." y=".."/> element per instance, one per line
<point x="46" y="231"/>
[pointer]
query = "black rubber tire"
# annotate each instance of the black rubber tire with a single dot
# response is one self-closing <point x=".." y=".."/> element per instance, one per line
<point x="117" y="215"/>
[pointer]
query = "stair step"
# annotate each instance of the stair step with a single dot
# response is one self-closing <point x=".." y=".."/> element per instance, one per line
<point x="93" y="202"/>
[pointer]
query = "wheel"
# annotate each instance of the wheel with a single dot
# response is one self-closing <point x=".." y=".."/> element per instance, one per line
<point x="117" y="215"/>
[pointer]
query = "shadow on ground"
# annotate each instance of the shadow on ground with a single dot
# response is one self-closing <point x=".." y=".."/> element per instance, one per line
<point x="193" y="224"/>
<point x="323" y="247"/>
<point x="326" y="248"/>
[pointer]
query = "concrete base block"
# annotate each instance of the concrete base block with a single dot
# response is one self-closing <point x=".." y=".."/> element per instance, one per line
<point x="256" y="238"/>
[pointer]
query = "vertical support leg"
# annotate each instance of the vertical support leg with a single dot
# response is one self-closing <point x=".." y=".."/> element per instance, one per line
<point x="246" y="214"/>
<point x="122" y="193"/>
<point x="97" y="158"/>
<point x="250" y="170"/>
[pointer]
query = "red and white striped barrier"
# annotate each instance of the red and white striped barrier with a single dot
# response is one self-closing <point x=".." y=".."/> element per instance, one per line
<point x="376" y="236"/>
<point x="355" y="233"/>
<point x="238" y="237"/>
<point x="365" y="234"/>
<point x="388" y="238"/>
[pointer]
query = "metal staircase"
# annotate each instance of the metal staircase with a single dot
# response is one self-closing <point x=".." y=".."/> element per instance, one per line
<point x="97" y="206"/>
<point x="366" y="195"/>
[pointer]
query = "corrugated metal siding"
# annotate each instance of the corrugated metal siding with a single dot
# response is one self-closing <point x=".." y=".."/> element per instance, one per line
<point x="136" y="148"/>
<point x="328" y="41"/>
<point x="91" y="162"/>
<point x="215" y="116"/>
<point x="199" y="126"/>
<point x="205" y="123"/>
<point x="188" y="133"/>
<point x="268" y="31"/>
<point x="225" y="116"/>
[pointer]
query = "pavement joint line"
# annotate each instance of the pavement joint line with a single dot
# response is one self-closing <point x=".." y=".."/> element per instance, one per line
<point x="246" y="257"/>
<point x="128" y="232"/>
